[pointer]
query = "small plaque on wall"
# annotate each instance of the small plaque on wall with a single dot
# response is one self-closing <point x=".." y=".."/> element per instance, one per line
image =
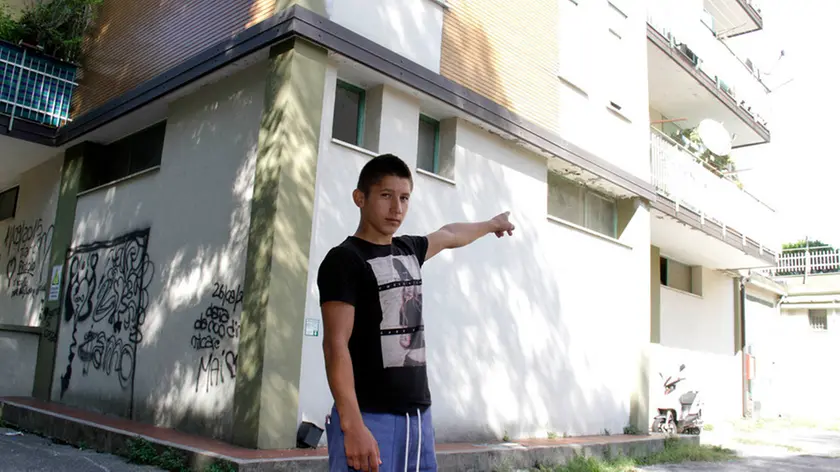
<point x="312" y="327"/>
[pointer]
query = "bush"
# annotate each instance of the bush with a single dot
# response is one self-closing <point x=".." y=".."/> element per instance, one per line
<point x="55" y="26"/>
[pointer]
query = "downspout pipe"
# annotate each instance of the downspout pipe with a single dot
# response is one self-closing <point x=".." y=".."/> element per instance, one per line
<point x="742" y="342"/>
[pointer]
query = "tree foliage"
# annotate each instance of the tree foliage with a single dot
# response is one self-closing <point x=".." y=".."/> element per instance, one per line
<point x="57" y="27"/>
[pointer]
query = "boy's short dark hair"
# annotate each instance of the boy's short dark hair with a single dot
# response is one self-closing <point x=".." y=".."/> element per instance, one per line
<point x="382" y="166"/>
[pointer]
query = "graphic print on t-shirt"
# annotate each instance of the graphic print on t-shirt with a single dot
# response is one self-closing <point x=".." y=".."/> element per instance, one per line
<point x="401" y="299"/>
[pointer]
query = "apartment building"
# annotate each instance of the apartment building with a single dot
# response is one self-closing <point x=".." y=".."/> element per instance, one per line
<point x="163" y="233"/>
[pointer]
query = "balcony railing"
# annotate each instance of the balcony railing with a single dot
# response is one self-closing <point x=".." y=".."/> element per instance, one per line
<point x="807" y="261"/>
<point x="35" y="87"/>
<point x="682" y="176"/>
<point x="725" y="69"/>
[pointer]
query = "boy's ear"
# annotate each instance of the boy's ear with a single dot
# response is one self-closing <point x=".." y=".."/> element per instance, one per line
<point x="358" y="198"/>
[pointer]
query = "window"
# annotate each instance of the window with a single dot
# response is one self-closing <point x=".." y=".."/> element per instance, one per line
<point x="818" y="319"/>
<point x="618" y="58"/>
<point x="428" y="145"/>
<point x="349" y="113"/>
<point x="8" y="203"/>
<point x="124" y="158"/>
<point x="681" y="276"/>
<point x="617" y="20"/>
<point x="581" y="206"/>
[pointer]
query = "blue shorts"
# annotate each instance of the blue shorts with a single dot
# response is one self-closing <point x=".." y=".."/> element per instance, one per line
<point x="392" y="433"/>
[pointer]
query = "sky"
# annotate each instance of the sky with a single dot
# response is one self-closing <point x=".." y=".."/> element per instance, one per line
<point x="798" y="172"/>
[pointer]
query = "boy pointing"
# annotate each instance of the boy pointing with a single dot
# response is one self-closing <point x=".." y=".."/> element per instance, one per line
<point x="374" y="344"/>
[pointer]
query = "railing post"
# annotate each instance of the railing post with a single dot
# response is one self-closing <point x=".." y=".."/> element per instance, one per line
<point x="17" y="90"/>
<point x="807" y="260"/>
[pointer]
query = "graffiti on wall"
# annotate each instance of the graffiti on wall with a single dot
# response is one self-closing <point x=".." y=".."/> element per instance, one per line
<point x="27" y="249"/>
<point x="216" y="336"/>
<point x="106" y="299"/>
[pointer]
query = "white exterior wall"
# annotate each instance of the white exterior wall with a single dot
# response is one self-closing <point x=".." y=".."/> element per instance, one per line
<point x="24" y="273"/>
<point x="197" y="210"/>
<point x="411" y="28"/>
<point x="765" y="340"/>
<point x="19" y="351"/>
<point x="700" y="333"/>
<point x="26" y="243"/>
<point x="525" y="335"/>
<point x="807" y="387"/>
<point x="585" y="114"/>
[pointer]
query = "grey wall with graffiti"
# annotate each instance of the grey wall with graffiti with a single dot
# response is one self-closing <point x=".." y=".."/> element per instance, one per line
<point x="150" y="317"/>
<point x="24" y="270"/>
<point x="25" y="243"/>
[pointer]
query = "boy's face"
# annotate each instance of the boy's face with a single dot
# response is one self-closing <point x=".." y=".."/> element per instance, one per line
<point x="386" y="205"/>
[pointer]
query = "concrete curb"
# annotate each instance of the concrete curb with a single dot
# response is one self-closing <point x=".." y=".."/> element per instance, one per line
<point x="484" y="457"/>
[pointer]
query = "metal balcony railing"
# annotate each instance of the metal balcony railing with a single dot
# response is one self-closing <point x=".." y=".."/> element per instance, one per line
<point x="35" y="87"/>
<point x="682" y="176"/>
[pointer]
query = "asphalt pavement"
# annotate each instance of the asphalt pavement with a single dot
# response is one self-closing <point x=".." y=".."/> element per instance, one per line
<point x="785" y="450"/>
<point x="21" y="452"/>
<point x="789" y="450"/>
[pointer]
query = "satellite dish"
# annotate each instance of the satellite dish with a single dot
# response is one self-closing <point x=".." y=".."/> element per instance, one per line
<point x="715" y="137"/>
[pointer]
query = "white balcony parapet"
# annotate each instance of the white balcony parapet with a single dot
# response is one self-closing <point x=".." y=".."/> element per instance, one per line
<point x="683" y="177"/>
<point x="806" y="261"/>
<point x="711" y="56"/>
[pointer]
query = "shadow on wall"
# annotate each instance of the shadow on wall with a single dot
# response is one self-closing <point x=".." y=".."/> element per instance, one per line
<point x="508" y="350"/>
<point x="498" y="318"/>
<point x="196" y="210"/>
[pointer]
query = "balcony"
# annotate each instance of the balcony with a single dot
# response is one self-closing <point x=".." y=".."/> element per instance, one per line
<point x="693" y="76"/>
<point x="34" y="88"/>
<point x="734" y="17"/>
<point x="718" y="206"/>
<point x="807" y="261"/>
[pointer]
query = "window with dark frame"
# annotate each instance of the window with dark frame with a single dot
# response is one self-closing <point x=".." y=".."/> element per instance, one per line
<point x="123" y="158"/>
<point x="349" y="114"/>
<point x="428" y="145"/>
<point x="582" y="206"/>
<point x="679" y="276"/>
<point x="818" y="319"/>
<point x="8" y="203"/>
<point x="565" y="199"/>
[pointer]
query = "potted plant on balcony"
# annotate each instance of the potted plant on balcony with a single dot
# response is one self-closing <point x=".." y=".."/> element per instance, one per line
<point x="723" y="164"/>
<point x="54" y="27"/>
<point x="41" y="46"/>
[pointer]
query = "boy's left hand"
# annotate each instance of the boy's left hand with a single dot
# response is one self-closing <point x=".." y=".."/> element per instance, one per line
<point x="501" y="225"/>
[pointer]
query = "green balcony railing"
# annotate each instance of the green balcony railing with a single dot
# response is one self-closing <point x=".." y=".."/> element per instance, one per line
<point x="35" y="87"/>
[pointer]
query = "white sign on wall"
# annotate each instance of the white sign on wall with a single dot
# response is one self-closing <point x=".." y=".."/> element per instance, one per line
<point x="312" y="327"/>
<point x="55" y="283"/>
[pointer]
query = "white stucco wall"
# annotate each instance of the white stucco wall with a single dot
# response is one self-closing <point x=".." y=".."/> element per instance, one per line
<point x="24" y="273"/>
<point x="699" y="332"/>
<point x="196" y="208"/>
<point x="18" y="351"/>
<point x="525" y="335"/>
<point x="586" y="117"/>
<point x="411" y="28"/>
<point x="25" y="245"/>
<point x="765" y="340"/>
<point x="806" y="384"/>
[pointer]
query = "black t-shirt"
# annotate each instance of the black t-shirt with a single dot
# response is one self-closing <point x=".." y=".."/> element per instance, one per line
<point x="387" y="345"/>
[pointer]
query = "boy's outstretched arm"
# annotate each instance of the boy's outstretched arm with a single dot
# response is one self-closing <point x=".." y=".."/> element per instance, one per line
<point x="456" y="235"/>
